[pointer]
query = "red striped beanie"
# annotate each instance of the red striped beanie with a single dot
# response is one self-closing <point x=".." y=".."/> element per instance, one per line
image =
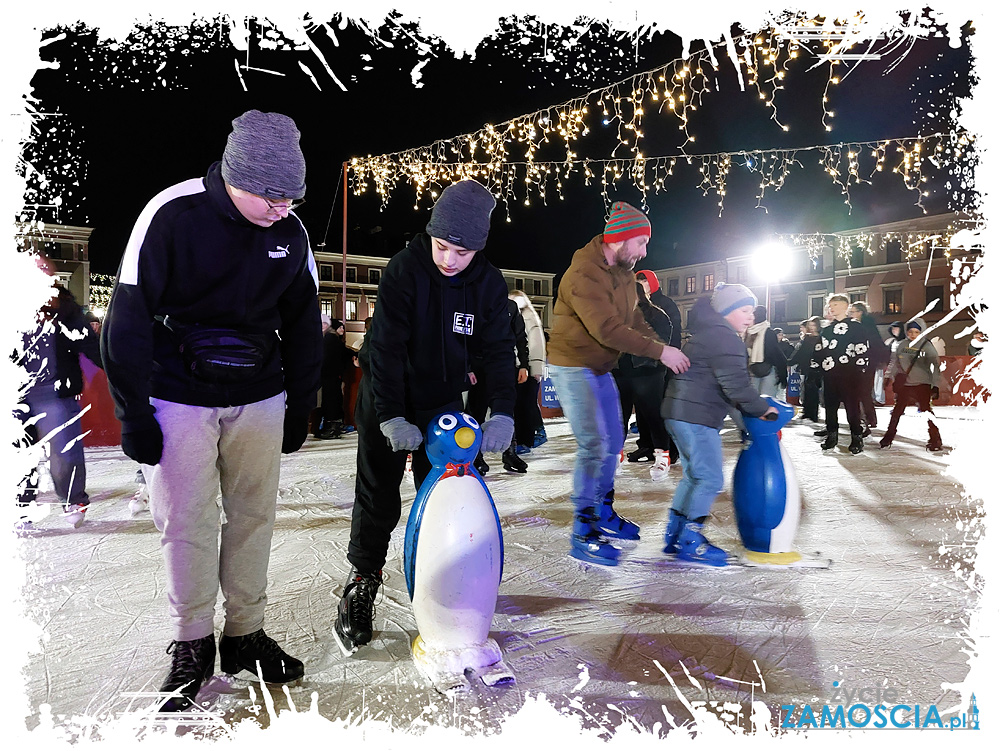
<point x="625" y="221"/>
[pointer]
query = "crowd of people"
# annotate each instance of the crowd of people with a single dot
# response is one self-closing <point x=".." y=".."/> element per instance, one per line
<point x="215" y="350"/>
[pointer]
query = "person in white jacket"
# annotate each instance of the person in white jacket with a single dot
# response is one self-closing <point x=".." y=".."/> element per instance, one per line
<point x="527" y="416"/>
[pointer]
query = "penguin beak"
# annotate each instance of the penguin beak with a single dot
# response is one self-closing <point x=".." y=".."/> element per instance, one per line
<point x="465" y="437"/>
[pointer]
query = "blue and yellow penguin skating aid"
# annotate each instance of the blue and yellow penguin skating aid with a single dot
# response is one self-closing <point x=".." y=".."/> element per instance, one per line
<point x="766" y="496"/>
<point x="453" y="561"/>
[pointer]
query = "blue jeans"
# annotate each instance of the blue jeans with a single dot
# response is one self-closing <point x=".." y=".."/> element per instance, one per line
<point x="700" y="448"/>
<point x="766" y="385"/>
<point x="590" y="403"/>
<point x="58" y="423"/>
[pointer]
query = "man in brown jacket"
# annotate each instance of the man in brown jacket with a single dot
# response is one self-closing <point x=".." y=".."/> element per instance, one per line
<point x="596" y="319"/>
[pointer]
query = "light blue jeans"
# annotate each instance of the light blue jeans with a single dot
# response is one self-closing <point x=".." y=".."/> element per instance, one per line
<point x="591" y="404"/>
<point x="766" y="385"/>
<point x="700" y="449"/>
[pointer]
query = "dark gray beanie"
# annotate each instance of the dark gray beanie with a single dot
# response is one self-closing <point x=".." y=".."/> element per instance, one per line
<point x="263" y="157"/>
<point x="462" y="215"/>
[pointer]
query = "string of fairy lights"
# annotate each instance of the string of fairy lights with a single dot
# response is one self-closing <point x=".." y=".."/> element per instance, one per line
<point x="913" y="244"/>
<point x="101" y="286"/>
<point x="846" y="164"/>
<point x="508" y="157"/>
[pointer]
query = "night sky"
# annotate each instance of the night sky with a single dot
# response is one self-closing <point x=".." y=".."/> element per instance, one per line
<point x="134" y="118"/>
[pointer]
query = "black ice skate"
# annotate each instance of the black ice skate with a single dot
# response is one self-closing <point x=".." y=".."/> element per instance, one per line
<point x="193" y="664"/>
<point x="259" y="654"/>
<point x="356" y="611"/>
<point x="513" y="463"/>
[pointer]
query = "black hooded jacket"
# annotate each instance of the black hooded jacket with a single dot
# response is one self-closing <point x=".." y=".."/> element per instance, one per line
<point x="192" y="256"/>
<point x="427" y="330"/>
<point x="72" y="336"/>
<point x="718" y="374"/>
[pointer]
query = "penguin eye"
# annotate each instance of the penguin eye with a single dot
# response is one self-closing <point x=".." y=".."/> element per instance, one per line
<point x="447" y="422"/>
<point x="470" y="421"/>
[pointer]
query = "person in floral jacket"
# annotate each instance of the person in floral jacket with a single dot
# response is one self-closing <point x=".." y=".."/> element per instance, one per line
<point x="842" y="357"/>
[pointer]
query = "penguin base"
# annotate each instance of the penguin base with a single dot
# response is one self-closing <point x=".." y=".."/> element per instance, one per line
<point x="445" y="668"/>
<point x="777" y="561"/>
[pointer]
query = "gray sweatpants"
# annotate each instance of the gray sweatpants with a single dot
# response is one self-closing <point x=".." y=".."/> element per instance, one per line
<point x="207" y="449"/>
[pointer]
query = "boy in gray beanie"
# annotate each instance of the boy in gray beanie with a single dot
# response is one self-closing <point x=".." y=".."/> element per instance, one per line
<point x="695" y="405"/>
<point x="916" y="372"/>
<point x="442" y="305"/>
<point x="212" y="344"/>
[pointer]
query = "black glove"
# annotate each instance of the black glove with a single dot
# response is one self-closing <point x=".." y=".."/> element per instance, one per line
<point x="143" y="441"/>
<point x="295" y="430"/>
<point x="935" y="393"/>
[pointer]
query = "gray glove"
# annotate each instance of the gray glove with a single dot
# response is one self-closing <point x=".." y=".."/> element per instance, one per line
<point x="402" y="435"/>
<point x="498" y="432"/>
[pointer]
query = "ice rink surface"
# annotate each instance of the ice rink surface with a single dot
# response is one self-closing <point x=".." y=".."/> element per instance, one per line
<point x="604" y="643"/>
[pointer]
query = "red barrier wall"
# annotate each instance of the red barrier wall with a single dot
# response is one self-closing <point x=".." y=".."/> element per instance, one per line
<point x="104" y="428"/>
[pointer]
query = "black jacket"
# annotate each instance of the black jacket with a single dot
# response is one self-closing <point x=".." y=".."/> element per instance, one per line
<point x="773" y="356"/>
<point x="72" y="337"/>
<point x="878" y="353"/>
<point x="427" y="330"/>
<point x="666" y="329"/>
<point x="803" y="354"/>
<point x="336" y="356"/>
<point x="718" y="374"/>
<point x="669" y="307"/>
<point x="194" y="257"/>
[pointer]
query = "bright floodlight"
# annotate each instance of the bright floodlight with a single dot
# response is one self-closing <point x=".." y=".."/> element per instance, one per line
<point x="770" y="262"/>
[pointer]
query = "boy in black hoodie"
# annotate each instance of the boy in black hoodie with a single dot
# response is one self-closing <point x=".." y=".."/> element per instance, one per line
<point x="441" y="304"/>
<point x="212" y="345"/>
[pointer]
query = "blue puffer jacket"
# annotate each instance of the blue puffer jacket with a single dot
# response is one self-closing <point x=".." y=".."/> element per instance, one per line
<point x="718" y="374"/>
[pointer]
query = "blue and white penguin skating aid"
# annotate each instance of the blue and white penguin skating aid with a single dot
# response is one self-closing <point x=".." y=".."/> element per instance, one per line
<point x="766" y="496"/>
<point x="453" y="561"/>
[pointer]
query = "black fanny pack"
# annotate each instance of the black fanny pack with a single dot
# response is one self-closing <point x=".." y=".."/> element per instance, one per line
<point x="219" y="355"/>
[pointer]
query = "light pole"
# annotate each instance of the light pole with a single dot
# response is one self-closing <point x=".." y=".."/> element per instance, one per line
<point x="770" y="262"/>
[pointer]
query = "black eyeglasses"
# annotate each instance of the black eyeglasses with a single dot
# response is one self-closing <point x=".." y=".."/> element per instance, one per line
<point x="277" y="207"/>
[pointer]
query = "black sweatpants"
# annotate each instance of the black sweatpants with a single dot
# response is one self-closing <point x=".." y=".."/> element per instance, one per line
<point x="644" y="393"/>
<point x="527" y="416"/>
<point x="332" y="407"/>
<point x="377" y="503"/>
<point x="920" y="395"/>
<point x="865" y="392"/>
<point x="810" y="395"/>
<point x="843" y="386"/>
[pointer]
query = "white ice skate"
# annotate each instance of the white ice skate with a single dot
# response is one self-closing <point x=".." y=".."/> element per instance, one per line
<point x="75" y="514"/>
<point x="24" y="526"/>
<point x="139" y="502"/>
<point x="661" y="467"/>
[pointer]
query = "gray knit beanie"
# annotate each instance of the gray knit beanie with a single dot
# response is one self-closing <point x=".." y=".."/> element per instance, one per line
<point x="263" y="157"/>
<point x="462" y="215"/>
<point x="729" y="297"/>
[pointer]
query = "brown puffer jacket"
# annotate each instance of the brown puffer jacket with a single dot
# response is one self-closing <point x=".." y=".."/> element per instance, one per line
<point x="595" y="315"/>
